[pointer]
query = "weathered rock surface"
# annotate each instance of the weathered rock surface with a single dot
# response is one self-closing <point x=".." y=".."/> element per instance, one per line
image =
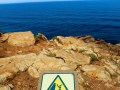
<point x="40" y="37"/>
<point x="16" y="63"/>
<point x="34" y="63"/>
<point x="118" y="44"/>
<point x="5" y="88"/>
<point x="45" y="63"/>
<point x="4" y="37"/>
<point x="112" y="66"/>
<point x="21" y="39"/>
<point x="96" y="72"/>
<point x="4" y="76"/>
<point x="71" y="58"/>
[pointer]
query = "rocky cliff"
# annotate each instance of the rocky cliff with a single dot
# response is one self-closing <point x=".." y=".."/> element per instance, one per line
<point x="24" y="56"/>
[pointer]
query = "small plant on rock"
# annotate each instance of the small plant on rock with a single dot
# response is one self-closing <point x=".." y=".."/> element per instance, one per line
<point x="51" y="54"/>
<point x="55" y="37"/>
<point x="93" y="57"/>
<point x="82" y="50"/>
<point x="1" y="34"/>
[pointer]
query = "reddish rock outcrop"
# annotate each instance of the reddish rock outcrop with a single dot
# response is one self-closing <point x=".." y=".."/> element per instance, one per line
<point x="21" y="39"/>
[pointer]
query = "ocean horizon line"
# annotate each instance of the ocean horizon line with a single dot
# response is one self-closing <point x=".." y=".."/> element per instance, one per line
<point x="50" y="1"/>
<point x="57" y="1"/>
<point x="44" y="1"/>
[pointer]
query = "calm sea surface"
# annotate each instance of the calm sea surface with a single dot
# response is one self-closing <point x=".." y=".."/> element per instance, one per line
<point x="97" y="18"/>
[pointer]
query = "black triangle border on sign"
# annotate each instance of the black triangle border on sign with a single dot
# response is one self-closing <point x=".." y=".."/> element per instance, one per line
<point x="61" y="81"/>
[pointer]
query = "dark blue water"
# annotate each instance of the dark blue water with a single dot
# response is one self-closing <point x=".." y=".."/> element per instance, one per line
<point x="97" y="18"/>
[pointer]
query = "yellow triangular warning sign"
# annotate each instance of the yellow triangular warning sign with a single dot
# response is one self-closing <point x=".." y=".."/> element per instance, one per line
<point x="57" y="84"/>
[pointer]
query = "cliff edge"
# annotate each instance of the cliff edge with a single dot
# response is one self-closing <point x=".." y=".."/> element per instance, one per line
<point x="24" y="56"/>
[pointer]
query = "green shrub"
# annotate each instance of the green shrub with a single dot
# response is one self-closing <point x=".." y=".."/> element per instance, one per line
<point x="1" y="34"/>
<point x="37" y="37"/>
<point x="93" y="57"/>
<point x="51" y="54"/>
<point x="82" y="50"/>
<point x="53" y="38"/>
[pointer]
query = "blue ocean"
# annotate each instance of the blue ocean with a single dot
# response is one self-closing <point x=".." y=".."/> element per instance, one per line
<point x="100" y="19"/>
